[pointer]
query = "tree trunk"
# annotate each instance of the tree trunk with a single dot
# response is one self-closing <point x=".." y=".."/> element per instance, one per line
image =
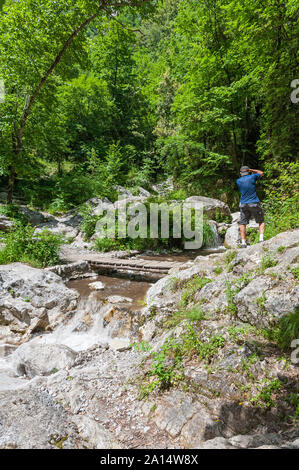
<point x="11" y="184"/>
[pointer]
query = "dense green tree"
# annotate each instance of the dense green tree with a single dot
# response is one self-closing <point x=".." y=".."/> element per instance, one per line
<point x="191" y="89"/>
<point x="34" y="38"/>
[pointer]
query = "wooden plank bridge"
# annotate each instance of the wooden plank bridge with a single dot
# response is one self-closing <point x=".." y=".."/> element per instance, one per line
<point x="133" y="266"/>
<point x="103" y="264"/>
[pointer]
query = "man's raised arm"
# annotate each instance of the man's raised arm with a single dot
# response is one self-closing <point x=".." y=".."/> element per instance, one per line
<point x="257" y="171"/>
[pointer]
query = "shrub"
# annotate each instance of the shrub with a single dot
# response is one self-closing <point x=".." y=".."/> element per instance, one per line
<point x="282" y="199"/>
<point x="147" y="243"/>
<point x="21" y="244"/>
<point x="12" y="212"/>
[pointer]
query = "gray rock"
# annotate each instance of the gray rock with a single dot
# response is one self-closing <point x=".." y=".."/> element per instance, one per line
<point x="202" y="426"/>
<point x="96" y="285"/>
<point x="101" y="207"/>
<point x="26" y="292"/>
<point x="118" y="299"/>
<point x="216" y="443"/>
<point x="235" y="217"/>
<point x="265" y="299"/>
<point x="174" y="411"/>
<point x="133" y="202"/>
<point x="143" y="192"/>
<point x="211" y="207"/>
<point x="147" y="331"/>
<point x="256" y="440"/>
<point x="213" y="296"/>
<point x="71" y="270"/>
<point x="232" y="236"/>
<point x="163" y="188"/>
<point x="58" y="228"/>
<point x="33" y="359"/>
<point x="39" y="323"/>
<point x="32" y="419"/>
<point x="67" y="226"/>
<point x="97" y="436"/>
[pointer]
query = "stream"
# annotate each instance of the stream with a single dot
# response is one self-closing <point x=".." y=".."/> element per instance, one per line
<point x="77" y="333"/>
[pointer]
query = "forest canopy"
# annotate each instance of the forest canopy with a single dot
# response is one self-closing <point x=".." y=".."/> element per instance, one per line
<point x="132" y="92"/>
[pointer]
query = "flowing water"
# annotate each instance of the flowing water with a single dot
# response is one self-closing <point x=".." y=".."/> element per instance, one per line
<point x="78" y="335"/>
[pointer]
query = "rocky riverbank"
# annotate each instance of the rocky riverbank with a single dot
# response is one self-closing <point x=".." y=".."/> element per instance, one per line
<point x="203" y="373"/>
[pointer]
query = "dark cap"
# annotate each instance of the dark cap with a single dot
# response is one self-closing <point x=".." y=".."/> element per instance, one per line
<point x="244" y="170"/>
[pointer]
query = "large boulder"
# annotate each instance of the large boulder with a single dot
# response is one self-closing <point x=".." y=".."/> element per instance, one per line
<point x="28" y="293"/>
<point x="68" y="225"/>
<point x="232" y="236"/>
<point x="33" y="359"/>
<point x="98" y="206"/>
<point x="178" y="415"/>
<point x="266" y="298"/>
<point x="258" y="283"/>
<point x="213" y="208"/>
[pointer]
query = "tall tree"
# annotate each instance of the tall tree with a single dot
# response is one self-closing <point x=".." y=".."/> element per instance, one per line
<point x="34" y="38"/>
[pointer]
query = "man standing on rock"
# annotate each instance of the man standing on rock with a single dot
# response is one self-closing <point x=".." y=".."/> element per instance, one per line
<point x="250" y="205"/>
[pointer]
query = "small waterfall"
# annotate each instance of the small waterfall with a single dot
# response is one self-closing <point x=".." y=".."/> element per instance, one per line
<point x="215" y="242"/>
<point x="84" y="329"/>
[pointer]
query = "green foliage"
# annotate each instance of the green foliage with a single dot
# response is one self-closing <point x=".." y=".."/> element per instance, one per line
<point x="208" y="350"/>
<point x="293" y="399"/>
<point x="264" y="398"/>
<point x="285" y="331"/>
<point x="39" y="250"/>
<point x="143" y="241"/>
<point x="233" y="289"/>
<point x="192" y="286"/>
<point x="165" y="371"/>
<point x="238" y="333"/>
<point x="230" y="256"/>
<point x="12" y="212"/>
<point x="218" y="269"/>
<point x="295" y="272"/>
<point x="192" y="314"/>
<point x="204" y="90"/>
<point x="248" y="362"/>
<point x="230" y="296"/>
<point x="267" y="262"/>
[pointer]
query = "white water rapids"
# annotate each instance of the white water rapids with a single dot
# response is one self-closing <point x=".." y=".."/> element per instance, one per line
<point x="74" y="333"/>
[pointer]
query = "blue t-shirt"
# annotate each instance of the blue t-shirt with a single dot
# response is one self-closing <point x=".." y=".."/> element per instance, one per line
<point x="246" y="185"/>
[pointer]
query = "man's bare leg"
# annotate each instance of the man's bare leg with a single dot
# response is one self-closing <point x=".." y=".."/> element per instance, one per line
<point x="243" y="235"/>
<point x="262" y="231"/>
